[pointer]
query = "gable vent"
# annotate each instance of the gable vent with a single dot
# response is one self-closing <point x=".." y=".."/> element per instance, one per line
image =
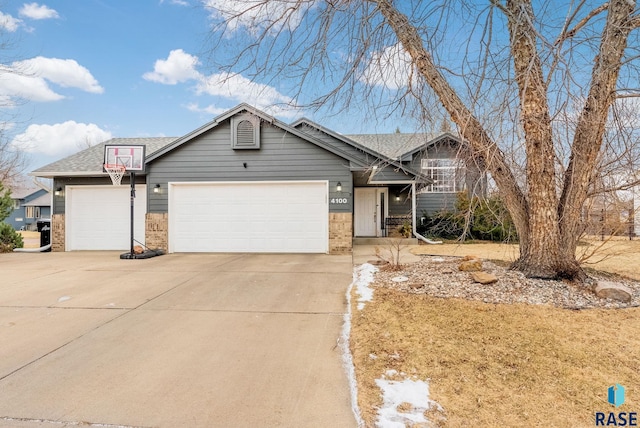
<point x="245" y="132"/>
<point x="244" y="136"/>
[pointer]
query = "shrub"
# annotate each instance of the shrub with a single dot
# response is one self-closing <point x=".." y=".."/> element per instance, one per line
<point x="472" y="218"/>
<point x="444" y="225"/>
<point x="9" y="238"/>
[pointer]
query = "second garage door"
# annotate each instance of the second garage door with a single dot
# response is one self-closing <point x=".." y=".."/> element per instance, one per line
<point x="99" y="217"/>
<point x="278" y="217"/>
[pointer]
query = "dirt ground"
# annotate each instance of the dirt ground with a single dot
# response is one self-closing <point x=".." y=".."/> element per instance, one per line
<point x="501" y="365"/>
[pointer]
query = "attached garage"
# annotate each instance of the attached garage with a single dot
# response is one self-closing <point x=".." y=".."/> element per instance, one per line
<point x="98" y="217"/>
<point x="265" y="216"/>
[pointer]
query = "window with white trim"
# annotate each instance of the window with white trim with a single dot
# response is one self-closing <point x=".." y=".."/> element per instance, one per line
<point x="32" y="212"/>
<point x="447" y="174"/>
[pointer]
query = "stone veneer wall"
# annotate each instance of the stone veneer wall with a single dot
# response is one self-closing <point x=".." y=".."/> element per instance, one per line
<point x="157" y="231"/>
<point x="57" y="232"/>
<point x="340" y="233"/>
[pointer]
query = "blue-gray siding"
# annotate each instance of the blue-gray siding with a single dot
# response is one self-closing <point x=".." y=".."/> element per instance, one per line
<point x="356" y="153"/>
<point x="434" y="202"/>
<point x="282" y="156"/>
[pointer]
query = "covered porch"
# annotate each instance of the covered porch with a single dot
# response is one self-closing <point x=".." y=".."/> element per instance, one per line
<point x="383" y="204"/>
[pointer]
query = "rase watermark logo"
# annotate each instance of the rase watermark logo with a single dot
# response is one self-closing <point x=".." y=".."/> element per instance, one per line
<point x="615" y="397"/>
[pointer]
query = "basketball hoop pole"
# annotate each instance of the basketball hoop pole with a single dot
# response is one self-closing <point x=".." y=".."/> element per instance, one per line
<point x="132" y="178"/>
<point x="118" y="159"/>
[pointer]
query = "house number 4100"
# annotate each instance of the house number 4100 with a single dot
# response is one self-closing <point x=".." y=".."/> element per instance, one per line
<point x="338" y="200"/>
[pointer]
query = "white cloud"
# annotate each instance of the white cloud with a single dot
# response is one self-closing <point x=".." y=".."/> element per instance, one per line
<point x="178" y="67"/>
<point x="9" y="23"/>
<point x="16" y="85"/>
<point x="61" y="139"/>
<point x="29" y="79"/>
<point x="239" y="88"/>
<point x="64" y="72"/>
<point x="257" y="15"/>
<point x="391" y="68"/>
<point x="210" y="110"/>
<point x="36" y="11"/>
<point x="7" y="126"/>
<point x="177" y="2"/>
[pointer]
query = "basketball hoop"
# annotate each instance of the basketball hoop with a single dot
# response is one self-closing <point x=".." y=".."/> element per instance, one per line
<point x="116" y="172"/>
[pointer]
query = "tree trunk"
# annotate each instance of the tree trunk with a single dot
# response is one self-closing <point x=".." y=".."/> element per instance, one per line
<point x="588" y="138"/>
<point x="540" y="251"/>
<point x="547" y="225"/>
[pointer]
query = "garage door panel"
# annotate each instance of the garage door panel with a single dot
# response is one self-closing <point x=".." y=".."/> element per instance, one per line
<point x="248" y="217"/>
<point x="98" y="217"/>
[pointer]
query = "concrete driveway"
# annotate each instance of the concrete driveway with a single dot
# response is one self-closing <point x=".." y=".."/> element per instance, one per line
<point x="182" y="340"/>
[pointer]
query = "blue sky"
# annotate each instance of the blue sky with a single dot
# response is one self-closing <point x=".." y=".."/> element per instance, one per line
<point x="80" y="72"/>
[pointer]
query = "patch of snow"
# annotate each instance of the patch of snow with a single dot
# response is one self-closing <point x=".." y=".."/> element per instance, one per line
<point x="64" y="299"/>
<point x="438" y="260"/>
<point x="362" y="277"/>
<point x="399" y="279"/>
<point x="394" y="393"/>
<point x="391" y="373"/>
<point x="347" y="358"/>
<point x="373" y="356"/>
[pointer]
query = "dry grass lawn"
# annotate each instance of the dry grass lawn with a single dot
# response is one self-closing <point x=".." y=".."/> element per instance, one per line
<point x="616" y="254"/>
<point x="30" y="239"/>
<point x="494" y="365"/>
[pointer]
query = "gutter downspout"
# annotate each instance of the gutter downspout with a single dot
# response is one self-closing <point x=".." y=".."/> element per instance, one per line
<point x="413" y="210"/>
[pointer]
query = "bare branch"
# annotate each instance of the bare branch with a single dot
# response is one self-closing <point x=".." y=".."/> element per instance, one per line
<point x="566" y="34"/>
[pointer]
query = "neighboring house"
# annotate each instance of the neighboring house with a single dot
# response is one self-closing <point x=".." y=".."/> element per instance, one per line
<point x="246" y="182"/>
<point x="610" y="214"/>
<point x="29" y="206"/>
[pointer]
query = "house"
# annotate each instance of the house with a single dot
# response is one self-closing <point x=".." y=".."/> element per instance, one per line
<point x="247" y="182"/>
<point x="30" y="204"/>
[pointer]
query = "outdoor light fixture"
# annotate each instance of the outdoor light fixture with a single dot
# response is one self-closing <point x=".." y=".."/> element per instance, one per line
<point x="156" y="189"/>
<point x="339" y="187"/>
<point x="58" y="191"/>
<point x="397" y="196"/>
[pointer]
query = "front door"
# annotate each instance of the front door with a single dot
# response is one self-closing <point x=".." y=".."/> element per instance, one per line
<point x="369" y="211"/>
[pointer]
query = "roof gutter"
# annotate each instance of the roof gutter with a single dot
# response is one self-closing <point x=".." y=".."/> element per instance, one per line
<point x="413" y="210"/>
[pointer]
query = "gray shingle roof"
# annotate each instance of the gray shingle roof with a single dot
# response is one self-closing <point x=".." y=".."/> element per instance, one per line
<point x="23" y="192"/>
<point x="89" y="161"/>
<point x="392" y="145"/>
<point x="40" y="201"/>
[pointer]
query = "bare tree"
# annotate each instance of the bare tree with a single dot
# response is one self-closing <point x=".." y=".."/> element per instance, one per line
<point x="529" y="85"/>
<point x="12" y="160"/>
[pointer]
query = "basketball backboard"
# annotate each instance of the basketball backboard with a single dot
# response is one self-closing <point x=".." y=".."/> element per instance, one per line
<point x="131" y="157"/>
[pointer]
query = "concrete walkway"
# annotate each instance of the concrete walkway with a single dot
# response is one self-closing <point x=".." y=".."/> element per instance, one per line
<point x="367" y="253"/>
<point x="213" y="340"/>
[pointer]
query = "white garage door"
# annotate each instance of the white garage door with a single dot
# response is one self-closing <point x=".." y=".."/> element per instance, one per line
<point x="276" y="217"/>
<point x="98" y="217"/>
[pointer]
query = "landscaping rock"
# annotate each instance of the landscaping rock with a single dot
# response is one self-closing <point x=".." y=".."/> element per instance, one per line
<point x="469" y="257"/>
<point x="138" y="249"/>
<point x="484" y="277"/>
<point x="471" y="265"/>
<point x="613" y="290"/>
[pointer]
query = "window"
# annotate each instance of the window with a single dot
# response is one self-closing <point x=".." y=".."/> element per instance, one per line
<point x="447" y="175"/>
<point x="245" y="132"/>
<point x="32" y="212"/>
